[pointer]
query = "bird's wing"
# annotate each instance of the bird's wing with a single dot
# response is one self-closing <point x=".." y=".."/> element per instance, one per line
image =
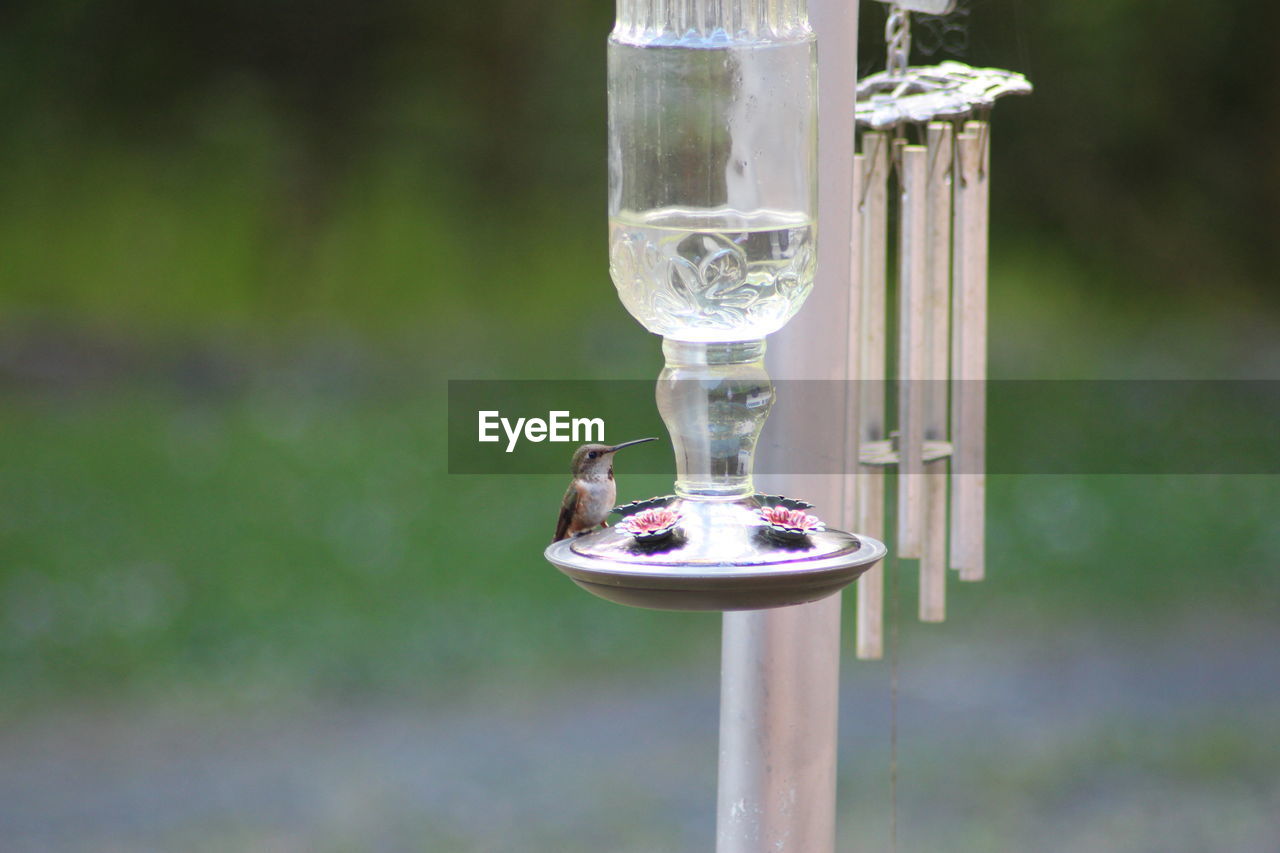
<point x="567" y="507"/>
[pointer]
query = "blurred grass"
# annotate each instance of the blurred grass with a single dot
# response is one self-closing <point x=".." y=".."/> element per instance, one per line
<point x="305" y="541"/>
<point x="221" y="402"/>
<point x="191" y="241"/>
<point x="292" y="536"/>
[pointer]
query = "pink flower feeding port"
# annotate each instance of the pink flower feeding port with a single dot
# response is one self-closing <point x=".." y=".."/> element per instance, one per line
<point x="790" y="524"/>
<point x="651" y="525"/>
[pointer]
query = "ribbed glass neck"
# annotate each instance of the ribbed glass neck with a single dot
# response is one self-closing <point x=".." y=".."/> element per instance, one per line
<point x="708" y="23"/>
<point x="714" y="399"/>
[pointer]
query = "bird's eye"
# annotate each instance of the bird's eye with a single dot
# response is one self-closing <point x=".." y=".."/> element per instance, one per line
<point x="592" y="455"/>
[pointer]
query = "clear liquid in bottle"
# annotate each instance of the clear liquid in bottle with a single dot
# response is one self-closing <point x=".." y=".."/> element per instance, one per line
<point x="712" y="275"/>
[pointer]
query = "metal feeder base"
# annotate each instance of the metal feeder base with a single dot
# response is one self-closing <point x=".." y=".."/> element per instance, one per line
<point x="721" y="557"/>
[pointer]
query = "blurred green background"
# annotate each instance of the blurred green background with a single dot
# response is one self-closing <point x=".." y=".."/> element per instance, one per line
<point x="243" y="246"/>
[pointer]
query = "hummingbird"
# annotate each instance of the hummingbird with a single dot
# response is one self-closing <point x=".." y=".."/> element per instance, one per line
<point x="592" y="492"/>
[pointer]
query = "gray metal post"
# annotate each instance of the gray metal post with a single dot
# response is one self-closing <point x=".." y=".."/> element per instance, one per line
<point x="780" y="668"/>
<point x="778" y="704"/>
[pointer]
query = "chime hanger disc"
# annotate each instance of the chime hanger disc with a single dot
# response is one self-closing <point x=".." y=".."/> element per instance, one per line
<point x="922" y="94"/>
<point x="903" y="94"/>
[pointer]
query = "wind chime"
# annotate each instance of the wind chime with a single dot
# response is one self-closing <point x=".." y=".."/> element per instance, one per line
<point x="924" y="137"/>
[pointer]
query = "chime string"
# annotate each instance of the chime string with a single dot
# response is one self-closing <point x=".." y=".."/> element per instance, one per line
<point x="873" y="156"/>
<point x="895" y="171"/>
<point x="984" y="141"/>
<point x="893" y="703"/>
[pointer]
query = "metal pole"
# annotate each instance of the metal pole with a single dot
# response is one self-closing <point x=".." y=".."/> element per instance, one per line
<point x="778" y="705"/>
<point x="780" y="668"/>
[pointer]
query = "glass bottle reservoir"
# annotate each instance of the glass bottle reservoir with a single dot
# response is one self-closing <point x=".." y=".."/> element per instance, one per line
<point x="712" y="153"/>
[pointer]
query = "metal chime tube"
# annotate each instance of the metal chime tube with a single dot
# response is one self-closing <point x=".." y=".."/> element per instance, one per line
<point x="870" y="366"/>
<point x="933" y="553"/>
<point x="969" y="352"/>
<point x="913" y="290"/>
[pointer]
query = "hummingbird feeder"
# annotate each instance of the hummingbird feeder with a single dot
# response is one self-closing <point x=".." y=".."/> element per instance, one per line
<point x="712" y="213"/>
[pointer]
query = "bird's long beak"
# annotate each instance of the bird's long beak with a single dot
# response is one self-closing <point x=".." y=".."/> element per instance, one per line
<point x="618" y="447"/>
